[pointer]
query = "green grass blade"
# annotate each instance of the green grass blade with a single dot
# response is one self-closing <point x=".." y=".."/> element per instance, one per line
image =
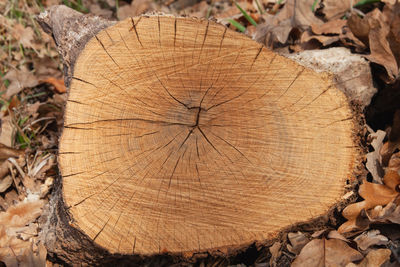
<point x="247" y="16"/>
<point x="313" y="5"/>
<point x="260" y="9"/>
<point x="238" y="26"/>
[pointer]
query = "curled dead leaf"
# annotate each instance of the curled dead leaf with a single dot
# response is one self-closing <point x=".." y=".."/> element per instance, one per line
<point x="7" y="152"/>
<point x="393" y="143"/>
<point x="390" y="213"/>
<point x="275" y="251"/>
<point x="297" y="241"/>
<point x="22" y="213"/>
<point x="324" y="40"/>
<point x="324" y="253"/>
<point x="374" y="258"/>
<point x="370" y="238"/>
<point x="330" y="27"/>
<point x="334" y="9"/>
<point x="295" y="15"/>
<point x="374" y="159"/>
<point x="13" y="222"/>
<point x="5" y="183"/>
<point x="359" y="27"/>
<point x="381" y="52"/>
<point x="8" y="131"/>
<point x="336" y="235"/>
<point x="33" y="257"/>
<point x="19" y="79"/>
<point x="373" y="195"/>
<point x="380" y="31"/>
<point x="25" y="35"/>
<point x="57" y="83"/>
<point x="136" y="8"/>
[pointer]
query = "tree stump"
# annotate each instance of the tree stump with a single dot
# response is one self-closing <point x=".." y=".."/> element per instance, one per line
<point x="182" y="136"/>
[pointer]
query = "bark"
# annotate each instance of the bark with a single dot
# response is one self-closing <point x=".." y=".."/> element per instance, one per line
<point x="71" y="31"/>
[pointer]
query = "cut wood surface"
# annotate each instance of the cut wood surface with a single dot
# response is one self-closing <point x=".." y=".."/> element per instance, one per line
<point x="184" y="136"/>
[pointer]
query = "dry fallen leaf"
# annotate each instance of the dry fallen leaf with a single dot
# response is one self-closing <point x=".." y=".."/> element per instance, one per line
<point x="391" y="13"/>
<point x="19" y="79"/>
<point x="45" y="188"/>
<point x="374" y="195"/>
<point x="7" y="152"/>
<point x="5" y="183"/>
<point x="326" y="253"/>
<point x="23" y="232"/>
<point x="303" y="15"/>
<point x="13" y="220"/>
<point x="390" y="213"/>
<point x="294" y="15"/>
<point x="334" y="9"/>
<point x="46" y="67"/>
<point x="319" y="233"/>
<point x="324" y="40"/>
<point x="6" y="109"/>
<point x="199" y="10"/>
<point x="8" y="131"/>
<point x="359" y="27"/>
<point x="22" y="213"/>
<point x="374" y="160"/>
<point x="336" y="235"/>
<point x="95" y="9"/>
<point x="33" y="258"/>
<point x="330" y="27"/>
<point x="375" y="258"/>
<point x="381" y="52"/>
<point x="380" y="31"/>
<point x="11" y="197"/>
<point x="57" y="83"/>
<point x="370" y="238"/>
<point x="297" y="241"/>
<point x="25" y="35"/>
<point x="136" y="8"/>
<point x="393" y="143"/>
<point x="275" y="250"/>
<point x="273" y="31"/>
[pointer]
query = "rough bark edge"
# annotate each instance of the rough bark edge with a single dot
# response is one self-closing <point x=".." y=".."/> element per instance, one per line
<point x="71" y="31"/>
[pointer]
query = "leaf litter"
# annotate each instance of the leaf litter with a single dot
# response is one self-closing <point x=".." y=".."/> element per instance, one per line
<point x="34" y="95"/>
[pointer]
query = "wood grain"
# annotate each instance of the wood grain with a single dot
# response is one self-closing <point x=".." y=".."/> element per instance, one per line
<point x="181" y="135"/>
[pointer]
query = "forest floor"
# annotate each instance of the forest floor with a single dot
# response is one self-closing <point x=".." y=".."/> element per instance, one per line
<point x="32" y="98"/>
